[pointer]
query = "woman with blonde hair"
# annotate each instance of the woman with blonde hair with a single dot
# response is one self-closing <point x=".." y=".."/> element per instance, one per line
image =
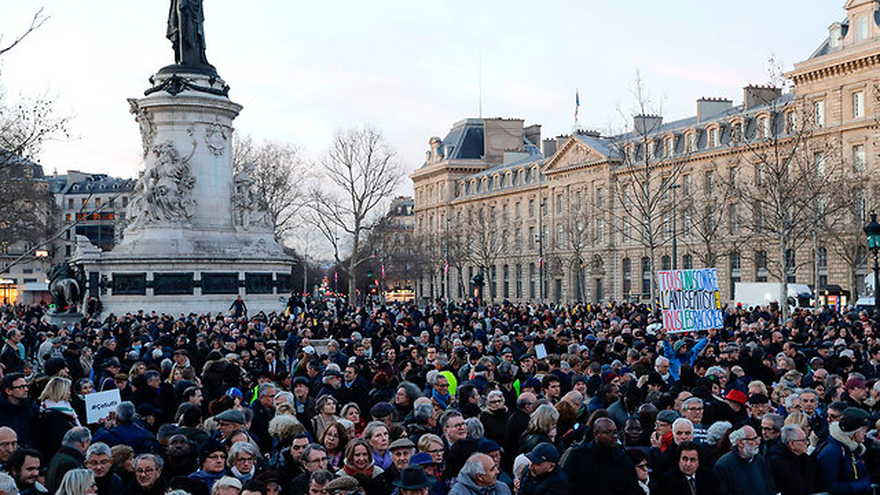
<point x="800" y="419"/>
<point x="541" y="428"/>
<point x="56" y="416"/>
<point x="433" y="445"/>
<point x="78" y="482"/>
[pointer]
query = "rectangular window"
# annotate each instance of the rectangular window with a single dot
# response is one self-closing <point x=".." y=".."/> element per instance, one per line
<point x="97" y="202"/>
<point x="532" y="238"/>
<point x="819" y="162"/>
<point x="600" y="198"/>
<point x="862" y="28"/>
<point x="819" y="113"/>
<point x="517" y="211"/>
<point x="84" y="201"/>
<point x="124" y="201"/>
<point x="70" y="203"/>
<point x="686" y="184"/>
<point x="858" y="157"/>
<point x="670" y="146"/>
<point x="544" y="207"/>
<point x="764" y="127"/>
<point x="531" y="208"/>
<point x="560" y="235"/>
<point x="600" y="230"/>
<point x="713" y="137"/>
<point x="560" y="203"/>
<point x="858" y="105"/>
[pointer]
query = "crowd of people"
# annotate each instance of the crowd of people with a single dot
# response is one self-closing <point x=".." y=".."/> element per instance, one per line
<point x="463" y="398"/>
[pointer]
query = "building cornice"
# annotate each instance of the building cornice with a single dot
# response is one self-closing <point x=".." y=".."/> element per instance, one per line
<point x="845" y="61"/>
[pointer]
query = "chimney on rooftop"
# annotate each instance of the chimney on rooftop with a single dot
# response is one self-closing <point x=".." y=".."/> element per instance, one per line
<point x="549" y="147"/>
<point x="756" y="96"/>
<point x="533" y="134"/>
<point x="646" y="124"/>
<point x="710" y="107"/>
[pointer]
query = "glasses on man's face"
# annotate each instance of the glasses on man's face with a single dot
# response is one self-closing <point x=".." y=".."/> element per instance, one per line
<point x="317" y="461"/>
<point x="145" y="471"/>
<point x="750" y="439"/>
<point x="19" y="387"/>
<point x="12" y="444"/>
<point x="496" y="401"/>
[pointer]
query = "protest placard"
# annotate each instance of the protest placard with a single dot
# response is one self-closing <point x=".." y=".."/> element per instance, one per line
<point x="99" y="405"/>
<point x="690" y="300"/>
<point x="540" y="351"/>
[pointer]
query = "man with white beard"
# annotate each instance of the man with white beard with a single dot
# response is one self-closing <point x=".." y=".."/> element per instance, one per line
<point x="743" y="470"/>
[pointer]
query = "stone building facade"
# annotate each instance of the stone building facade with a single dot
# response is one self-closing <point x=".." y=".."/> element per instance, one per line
<point x="502" y="169"/>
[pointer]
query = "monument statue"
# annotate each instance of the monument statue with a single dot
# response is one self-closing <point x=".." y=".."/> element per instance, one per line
<point x="66" y="284"/>
<point x="435" y="154"/>
<point x="187" y="33"/>
<point x="163" y="193"/>
<point x="248" y="207"/>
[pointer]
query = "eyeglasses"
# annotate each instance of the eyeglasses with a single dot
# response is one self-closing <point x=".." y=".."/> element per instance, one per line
<point x="750" y="439"/>
<point x="496" y="401"/>
<point x="318" y="460"/>
<point x="215" y="457"/>
<point x="145" y="471"/>
<point x="16" y="387"/>
<point x="643" y="466"/>
<point x="245" y="459"/>
<point x="435" y="451"/>
<point x="10" y="444"/>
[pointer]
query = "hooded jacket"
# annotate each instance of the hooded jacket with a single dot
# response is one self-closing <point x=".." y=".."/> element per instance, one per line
<point x="842" y="471"/>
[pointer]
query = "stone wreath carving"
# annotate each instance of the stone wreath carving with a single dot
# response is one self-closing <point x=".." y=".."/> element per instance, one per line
<point x="216" y="138"/>
<point x="163" y="193"/>
<point x="145" y="122"/>
<point x="249" y="209"/>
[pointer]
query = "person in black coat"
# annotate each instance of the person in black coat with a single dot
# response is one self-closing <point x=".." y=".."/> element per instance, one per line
<point x="686" y="473"/>
<point x="542" y="476"/>
<point x="794" y="472"/>
<point x="99" y="459"/>
<point x="601" y="464"/>
<point x="517" y="423"/>
<point x="494" y="417"/>
<point x="16" y="410"/>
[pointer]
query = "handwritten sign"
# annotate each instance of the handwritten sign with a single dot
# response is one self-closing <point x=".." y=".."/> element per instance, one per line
<point x="99" y="405"/>
<point x="690" y="300"/>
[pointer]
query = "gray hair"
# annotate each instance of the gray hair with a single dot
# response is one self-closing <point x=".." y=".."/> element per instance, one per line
<point x="225" y="482"/>
<point x="312" y="447"/>
<point x="77" y="436"/>
<point x="76" y="481"/>
<point x="473" y="466"/>
<point x="475" y="428"/>
<point x="7" y="485"/>
<point x="788" y="433"/>
<point x="691" y="400"/>
<point x="737" y="435"/>
<point x="660" y="360"/>
<point x="287" y="396"/>
<point x="320" y="477"/>
<point x="716" y="431"/>
<point x="422" y="412"/>
<point x="99" y="448"/>
<point x="494" y="393"/>
<point x="543" y="419"/>
<point x="371" y="428"/>
<point x="777" y="419"/>
<point x="265" y="387"/>
<point x="239" y="448"/>
<point x="156" y="460"/>
<point x="177" y="492"/>
<point x="447" y="415"/>
<point x="125" y="412"/>
<point x="678" y="423"/>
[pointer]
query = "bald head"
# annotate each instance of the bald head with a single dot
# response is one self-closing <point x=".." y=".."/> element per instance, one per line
<point x="8" y="443"/>
<point x="605" y="432"/>
<point x="482" y="469"/>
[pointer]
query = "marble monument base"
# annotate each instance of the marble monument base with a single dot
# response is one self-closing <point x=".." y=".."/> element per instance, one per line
<point x="63" y="319"/>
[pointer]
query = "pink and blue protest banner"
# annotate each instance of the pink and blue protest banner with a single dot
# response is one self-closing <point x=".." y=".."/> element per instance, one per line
<point x="690" y="300"/>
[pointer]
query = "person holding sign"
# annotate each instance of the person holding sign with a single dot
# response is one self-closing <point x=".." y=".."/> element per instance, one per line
<point x="679" y="354"/>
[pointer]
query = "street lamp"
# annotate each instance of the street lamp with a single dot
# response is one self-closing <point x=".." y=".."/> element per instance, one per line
<point x="872" y="230"/>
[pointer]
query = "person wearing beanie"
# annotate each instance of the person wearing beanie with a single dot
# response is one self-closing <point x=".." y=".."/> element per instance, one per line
<point x="842" y="469"/>
<point x="543" y="475"/>
<point x="681" y="354"/>
<point x="212" y="464"/>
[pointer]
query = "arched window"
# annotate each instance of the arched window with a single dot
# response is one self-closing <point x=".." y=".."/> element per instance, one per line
<point x="666" y="263"/>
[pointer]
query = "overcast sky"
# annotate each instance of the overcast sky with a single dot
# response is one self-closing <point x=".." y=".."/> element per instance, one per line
<point x="303" y="70"/>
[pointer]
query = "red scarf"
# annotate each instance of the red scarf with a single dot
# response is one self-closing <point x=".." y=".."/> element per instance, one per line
<point x="353" y="471"/>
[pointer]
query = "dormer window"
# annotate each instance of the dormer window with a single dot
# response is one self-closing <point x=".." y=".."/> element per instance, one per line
<point x="651" y="149"/>
<point x="670" y="146"/>
<point x="763" y="127"/>
<point x="714" y="137"/>
<point x="691" y="140"/>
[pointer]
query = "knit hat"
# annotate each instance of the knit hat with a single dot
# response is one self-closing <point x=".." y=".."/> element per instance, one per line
<point x="678" y="345"/>
<point x="211" y="446"/>
<point x="381" y="410"/>
<point x="853" y="419"/>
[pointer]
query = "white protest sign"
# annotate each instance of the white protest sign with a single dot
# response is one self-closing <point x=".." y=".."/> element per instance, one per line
<point x="540" y="351"/>
<point x="99" y="405"/>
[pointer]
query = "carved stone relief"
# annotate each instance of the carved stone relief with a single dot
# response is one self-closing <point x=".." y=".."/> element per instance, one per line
<point x="145" y="122"/>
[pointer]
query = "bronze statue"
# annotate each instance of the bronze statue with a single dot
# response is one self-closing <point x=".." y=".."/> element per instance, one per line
<point x="66" y="284"/>
<point x="186" y="31"/>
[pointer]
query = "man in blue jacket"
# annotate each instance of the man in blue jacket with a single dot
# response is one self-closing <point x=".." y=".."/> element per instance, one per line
<point x="127" y="432"/>
<point x="842" y="470"/>
<point x="679" y="354"/>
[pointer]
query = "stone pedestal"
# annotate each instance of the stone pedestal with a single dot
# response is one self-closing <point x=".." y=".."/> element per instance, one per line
<point x="61" y="320"/>
<point x="197" y="236"/>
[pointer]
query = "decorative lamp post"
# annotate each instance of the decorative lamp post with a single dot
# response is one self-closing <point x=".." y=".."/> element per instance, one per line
<point x="872" y="230"/>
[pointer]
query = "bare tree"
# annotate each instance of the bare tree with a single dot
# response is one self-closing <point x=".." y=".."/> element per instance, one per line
<point x="640" y="206"/>
<point x="710" y="219"/>
<point x="37" y="21"/>
<point x="360" y="172"/>
<point x="799" y="183"/>
<point x="487" y="239"/>
<point x="579" y="236"/>
<point x="280" y="178"/>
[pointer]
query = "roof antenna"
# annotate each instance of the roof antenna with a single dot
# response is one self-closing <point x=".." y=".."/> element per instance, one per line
<point x="480" y="82"/>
